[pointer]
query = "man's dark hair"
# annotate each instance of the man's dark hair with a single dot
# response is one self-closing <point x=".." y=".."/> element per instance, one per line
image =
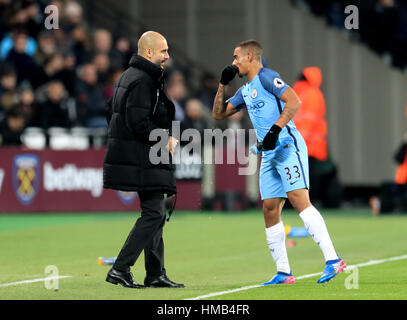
<point x="253" y="46"/>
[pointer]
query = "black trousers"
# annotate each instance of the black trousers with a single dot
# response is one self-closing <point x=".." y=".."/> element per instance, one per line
<point x="146" y="235"/>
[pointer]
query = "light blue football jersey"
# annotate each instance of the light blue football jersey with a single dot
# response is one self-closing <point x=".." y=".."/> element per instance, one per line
<point x="261" y="97"/>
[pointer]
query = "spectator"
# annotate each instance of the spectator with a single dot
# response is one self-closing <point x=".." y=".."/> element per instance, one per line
<point x="46" y="47"/>
<point x="90" y="98"/>
<point x="23" y="63"/>
<point x="27" y="104"/>
<point x="311" y="123"/>
<point x="73" y="15"/>
<point x="177" y="92"/>
<point x="124" y="53"/>
<point x="58" y="4"/>
<point x="11" y="128"/>
<point x="102" y="41"/>
<point x="80" y="44"/>
<point x="8" y="42"/>
<point x="63" y="40"/>
<point x="51" y="70"/>
<point x="34" y="59"/>
<point x="208" y="89"/>
<point x="113" y="78"/>
<point x="401" y="158"/>
<point x="68" y="73"/>
<point x="102" y="64"/>
<point x="8" y="91"/>
<point x="310" y="118"/>
<point x="194" y="118"/>
<point x="53" y="112"/>
<point x="31" y="16"/>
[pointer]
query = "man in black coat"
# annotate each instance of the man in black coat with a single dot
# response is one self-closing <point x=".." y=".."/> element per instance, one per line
<point x="138" y="107"/>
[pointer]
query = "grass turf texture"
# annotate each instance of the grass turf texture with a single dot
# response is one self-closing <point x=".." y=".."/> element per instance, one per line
<point x="208" y="251"/>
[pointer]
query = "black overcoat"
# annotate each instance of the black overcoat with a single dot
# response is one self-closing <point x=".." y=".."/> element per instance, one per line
<point x="139" y="105"/>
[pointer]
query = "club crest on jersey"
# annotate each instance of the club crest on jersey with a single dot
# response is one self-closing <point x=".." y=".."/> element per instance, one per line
<point x="254" y="93"/>
<point x="26" y="177"/>
<point x="278" y="83"/>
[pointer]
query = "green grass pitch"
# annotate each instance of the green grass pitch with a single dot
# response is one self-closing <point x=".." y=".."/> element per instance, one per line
<point x="208" y="251"/>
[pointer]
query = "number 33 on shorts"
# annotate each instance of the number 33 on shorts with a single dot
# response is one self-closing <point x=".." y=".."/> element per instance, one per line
<point x="293" y="173"/>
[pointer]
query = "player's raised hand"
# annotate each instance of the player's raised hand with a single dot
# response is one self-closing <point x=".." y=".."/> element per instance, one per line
<point x="228" y="74"/>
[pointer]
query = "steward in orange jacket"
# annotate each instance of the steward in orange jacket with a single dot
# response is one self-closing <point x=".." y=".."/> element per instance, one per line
<point x="401" y="159"/>
<point x="310" y="118"/>
<point x="311" y="123"/>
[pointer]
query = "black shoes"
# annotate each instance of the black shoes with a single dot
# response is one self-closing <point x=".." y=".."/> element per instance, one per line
<point x="124" y="278"/>
<point x="161" y="282"/>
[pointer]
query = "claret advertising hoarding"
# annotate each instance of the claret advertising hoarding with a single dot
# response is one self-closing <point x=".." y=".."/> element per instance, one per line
<point x="70" y="180"/>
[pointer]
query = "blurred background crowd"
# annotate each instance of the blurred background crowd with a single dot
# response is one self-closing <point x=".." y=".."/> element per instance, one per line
<point x="62" y="78"/>
<point x="382" y="24"/>
<point x="57" y="81"/>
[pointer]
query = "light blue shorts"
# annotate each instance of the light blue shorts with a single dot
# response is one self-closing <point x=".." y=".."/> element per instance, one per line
<point x="286" y="170"/>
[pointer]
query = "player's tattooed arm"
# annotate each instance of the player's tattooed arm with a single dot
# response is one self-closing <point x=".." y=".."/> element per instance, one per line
<point x="219" y="105"/>
<point x="292" y="105"/>
<point x="220" y="109"/>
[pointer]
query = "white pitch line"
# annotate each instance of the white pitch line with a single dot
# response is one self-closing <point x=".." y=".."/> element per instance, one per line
<point x="363" y="264"/>
<point x="32" y="281"/>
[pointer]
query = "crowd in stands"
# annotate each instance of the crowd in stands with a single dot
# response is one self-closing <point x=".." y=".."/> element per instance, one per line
<point x="63" y="77"/>
<point x="382" y="24"/>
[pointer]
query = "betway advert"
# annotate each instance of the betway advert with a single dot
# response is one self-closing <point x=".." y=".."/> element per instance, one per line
<point x="64" y="181"/>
